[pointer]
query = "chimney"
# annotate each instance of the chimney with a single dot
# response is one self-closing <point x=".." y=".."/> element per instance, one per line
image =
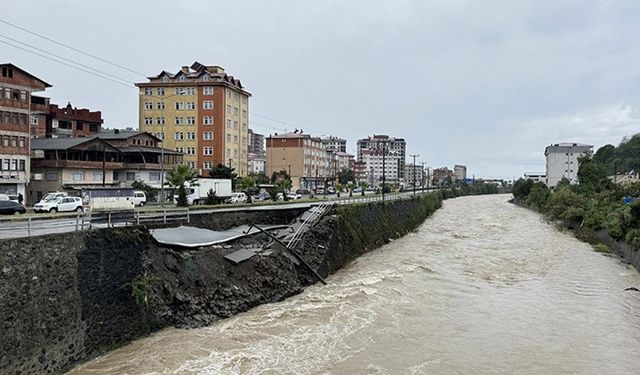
<point x="215" y="69"/>
<point x="116" y="131"/>
<point x="185" y="69"/>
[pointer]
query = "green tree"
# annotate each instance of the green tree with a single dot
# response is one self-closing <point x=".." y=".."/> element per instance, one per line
<point x="246" y="184"/>
<point x="177" y="177"/>
<point x="591" y="174"/>
<point x="338" y="188"/>
<point x="521" y="188"/>
<point x="350" y="187"/>
<point x="223" y="172"/>
<point x="345" y="176"/>
<point x="538" y="196"/>
<point x="363" y="186"/>
<point x="566" y="205"/>
<point x="260" y="178"/>
<point x="212" y="197"/>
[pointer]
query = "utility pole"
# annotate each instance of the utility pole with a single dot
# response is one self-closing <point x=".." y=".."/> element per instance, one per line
<point x="428" y="179"/>
<point x="422" y="179"/>
<point x="414" y="156"/>
<point x="384" y="177"/>
<point x="104" y="166"/>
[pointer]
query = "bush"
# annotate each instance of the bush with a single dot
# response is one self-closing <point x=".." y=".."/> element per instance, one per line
<point x="633" y="238"/>
<point x="212" y="197"/>
<point x="566" y="205"/>
<point x="538" y="196"/>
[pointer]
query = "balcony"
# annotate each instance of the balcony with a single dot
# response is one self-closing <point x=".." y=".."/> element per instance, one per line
<point x="62" y="132"/>
<point x="76" y="164"/>
<point x="13" y="177"/>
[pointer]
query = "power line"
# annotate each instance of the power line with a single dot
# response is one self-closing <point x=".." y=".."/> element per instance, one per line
<point x="64" y="63"/>
<point x="66" y="59"/>
<point x="71" y="48"/>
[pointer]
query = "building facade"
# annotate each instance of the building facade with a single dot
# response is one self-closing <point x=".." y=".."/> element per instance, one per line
<point x="112" y="159"/>
<point x="459" y="172"/>
<point x="16" y="122"/>
<point x="70" y="121"/>
<point x="414" y="175"/>
<point x="200" y="111"/>
<point x="536" y="177"/>
<point x="441" y="176"/>
<point x="562" y="161"/>
<point x="257" y="156"/>
<point x="303" y="157"/>
<point x="371" y="151"/>
<point x="335" y="144"/>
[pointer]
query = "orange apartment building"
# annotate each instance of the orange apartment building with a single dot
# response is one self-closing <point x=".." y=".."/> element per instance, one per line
<point x="200" y="111"/>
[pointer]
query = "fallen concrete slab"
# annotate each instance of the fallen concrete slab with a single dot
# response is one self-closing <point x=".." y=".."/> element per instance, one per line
<point x="191" y="237"/>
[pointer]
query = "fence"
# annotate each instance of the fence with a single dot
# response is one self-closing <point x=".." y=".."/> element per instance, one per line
<point x="34" y="226"/>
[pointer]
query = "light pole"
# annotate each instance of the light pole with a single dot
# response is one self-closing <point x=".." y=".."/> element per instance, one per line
<point x="414" y="156"/>
<point x="163" y="98"/>
<point x="422" y="179"/>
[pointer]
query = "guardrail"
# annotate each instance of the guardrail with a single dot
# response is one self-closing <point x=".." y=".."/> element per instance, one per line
<point x="35" y="226"/>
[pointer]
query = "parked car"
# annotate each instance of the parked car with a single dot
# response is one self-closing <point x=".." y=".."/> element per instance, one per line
<point x="4" y="197"/>
<point x="14" y="198"/>
<point x="139" y="198"/>
<point x="239" y="197"/>
<point x="294" y="196"/>
<point x="64" y="204"/>
<point x="303" y="192"/>
<point x="10" y="207"/>
<point x="331" y="190"/>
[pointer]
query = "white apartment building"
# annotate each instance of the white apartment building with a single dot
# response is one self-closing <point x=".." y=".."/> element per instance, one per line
<point x="370" y="152"/>
<point x="562" y="161"/>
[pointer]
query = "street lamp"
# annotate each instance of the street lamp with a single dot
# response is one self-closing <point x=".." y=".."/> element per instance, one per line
<point x="178" y="93"/>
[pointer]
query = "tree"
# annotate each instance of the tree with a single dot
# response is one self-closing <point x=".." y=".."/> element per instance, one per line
<point x="345" y="176"/>
<point x="245" y="184"/>
<point x="591" y="173"/>
<point x="149" y="191"/>
<point x="339" y="188"/>
<point x="521" y="188"/>
<point x="363" y="186"/>
<point x="260" y="178"/>
<point x="212" y="197"/>
<point x="224" y="172"/>
<point x="177" y="177"/>
<point x="282" y="182"/>
<point x="350" y="187"/>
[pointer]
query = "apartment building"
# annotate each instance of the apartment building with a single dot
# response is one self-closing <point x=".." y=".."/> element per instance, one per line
<point x="335" y="143"/>
<point x="380" y="150"/>
<point x="303" y="157"/>
<point x="115" y="159"/>
<point x="414" y="175"/>
<point x="562" y="161"/>
<point x="536" y="177"/>
<point x="200" y="111"/>
<point x="70" y="121"/>
<point x="442" y="176"/>
<point x="17" y="116"/>
<point x="257" y="156"/>
<point x="459" y="172"/>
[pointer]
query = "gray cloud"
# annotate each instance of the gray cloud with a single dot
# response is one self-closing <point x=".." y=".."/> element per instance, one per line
<point x="488" y="84"/>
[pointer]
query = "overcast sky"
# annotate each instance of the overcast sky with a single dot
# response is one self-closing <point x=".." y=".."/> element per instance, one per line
<point x="488" y="84"/>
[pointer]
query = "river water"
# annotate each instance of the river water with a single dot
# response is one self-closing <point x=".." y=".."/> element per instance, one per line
<point x="482" y="287"/>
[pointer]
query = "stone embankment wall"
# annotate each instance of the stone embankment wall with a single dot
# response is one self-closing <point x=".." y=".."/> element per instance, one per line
<point x="66" y="298"/>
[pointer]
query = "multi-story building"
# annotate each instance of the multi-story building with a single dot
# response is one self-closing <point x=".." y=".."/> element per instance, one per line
<point x="360" y="172"/>
<point x="302" y="156"/>
<point x="201" y="111"/>
<point x="459" y="172"/>
<point x="16" y="120"/>
<point x="70" y="121"/>
<point x="371" y="150"/>
<point x="344" y="160"/>
<point x="257" y="156"/>
<point x="414" y="175"/>
<point x="335" y="143"/>
<point x="562" y="161"/>
<point x="536" y="177"/>
<point x="110" y="159"/>
<point x="441" y="176"/>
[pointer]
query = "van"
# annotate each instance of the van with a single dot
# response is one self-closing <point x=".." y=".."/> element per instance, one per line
<point x="139" y="198"/>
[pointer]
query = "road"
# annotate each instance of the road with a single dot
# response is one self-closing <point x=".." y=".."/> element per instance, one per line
<point x="36" y="225"/>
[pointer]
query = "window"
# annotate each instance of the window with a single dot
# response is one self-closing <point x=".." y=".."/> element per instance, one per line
<point x="228" y="93"/>
<point x="160" y="120"/>
<point x="160" y="91"/>
<point x="191" y="136"/>
<point x="179" y="120"/>
<point x="191" y="150"/>
<point x="154" y="176"/>
<point x="207" y="150"/>
<point x="228" y="137"/>
<point x="160" y="105"/>
<point x="93" y="128"/>
<point x="21" y="142"/>
<point x="191" y="105"/>
<point x="77" y="176"/>
<point x="207" y="165"/>
<point x="207" y="104"/>
<point x="7" y="72"/>
<point x="22" y="165"/>
<point x="228" y="109"/>
<point x="52" y="176"/>
<point x="205" y="77"/>
<point x="179" y="90"/>
<point x="179" y="136"/>
<point x="235" y="139"/>
<point x="191" y="164"/>
<point x="236" y="111"/>
<point x="5" y="164"/>
<point x="165" y="78"/>
<point x="79" y="126"/>
<point x="207" y="90"/>
<point x="23" y="96"/>
<point x="182" y="78"/>
<point x="244" y="126"/>
<point x="179" y="105"/>
<point x="180" y="149"/>
<point x="207" y="120"/>
<point x="148" y="105"/>
<point x="244" y="114"/>
<point x="207" y="136"/>
<point x="235" y="124"/>
<point x="131" y="176"/>
<point x="191" y="91"/>
<point x="191" y="120"/>
<point x="148" y="92"/>
<point x="228" y="123"/>
<point x="148" y="121"/>
<point x="97" y="176"/>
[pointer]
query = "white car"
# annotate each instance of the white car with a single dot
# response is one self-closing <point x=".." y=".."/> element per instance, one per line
<point x="139" y="198"/>
<point x="64" y="204"/>
<point x="238" y="198"/>
<point x="294" y="196"/>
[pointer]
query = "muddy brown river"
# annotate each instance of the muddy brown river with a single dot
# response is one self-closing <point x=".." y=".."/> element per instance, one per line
<point x="483" y="287"/>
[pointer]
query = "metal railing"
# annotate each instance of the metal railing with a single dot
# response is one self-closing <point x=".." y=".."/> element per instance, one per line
<point x="34" y="226"/>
